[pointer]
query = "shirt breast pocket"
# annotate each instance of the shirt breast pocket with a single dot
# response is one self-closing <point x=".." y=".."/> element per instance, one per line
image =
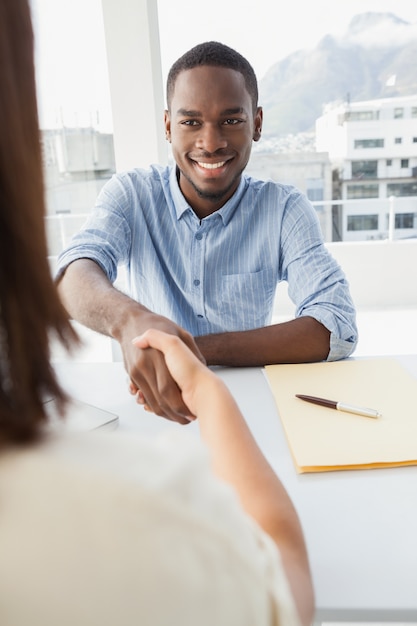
<point x="246" y="300"/>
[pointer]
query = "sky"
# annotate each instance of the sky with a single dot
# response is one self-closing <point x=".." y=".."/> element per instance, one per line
<point x="70" y="52"/>
<point x="261" y="34"/>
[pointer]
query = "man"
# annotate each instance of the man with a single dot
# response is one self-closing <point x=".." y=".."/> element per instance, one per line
<point x="205" y="246"/>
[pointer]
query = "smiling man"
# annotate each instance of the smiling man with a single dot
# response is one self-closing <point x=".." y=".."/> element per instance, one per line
<point x="211" y="137"/>
<point x="205" y="245"/>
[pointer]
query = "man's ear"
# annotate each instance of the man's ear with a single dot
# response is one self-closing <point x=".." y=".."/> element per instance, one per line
<point x="167" y="122"/>
<point x="257" y="131"/>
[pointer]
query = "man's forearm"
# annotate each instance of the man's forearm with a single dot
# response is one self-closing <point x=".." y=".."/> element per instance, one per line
<point x="91" y="299"/>
<point x="302" y="340"/>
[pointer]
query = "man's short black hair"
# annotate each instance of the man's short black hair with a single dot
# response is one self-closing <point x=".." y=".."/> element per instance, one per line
<point x="218" y="55"/>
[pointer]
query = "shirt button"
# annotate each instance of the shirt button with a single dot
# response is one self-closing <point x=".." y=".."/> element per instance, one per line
<point x="196" y="282"/>
<point x="199" y="236"/>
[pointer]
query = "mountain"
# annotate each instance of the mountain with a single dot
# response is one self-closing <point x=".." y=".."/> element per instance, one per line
<point x="375" y="58"/>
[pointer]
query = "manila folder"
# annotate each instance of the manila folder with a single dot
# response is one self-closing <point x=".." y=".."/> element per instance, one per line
<point x="324" y="439"/>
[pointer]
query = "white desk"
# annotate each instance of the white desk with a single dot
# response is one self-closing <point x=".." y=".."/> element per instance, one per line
<point x="360" y="526"/>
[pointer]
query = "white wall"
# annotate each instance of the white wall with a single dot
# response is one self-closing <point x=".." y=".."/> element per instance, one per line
<point x="135" y="76"/>
<point x="381" y="275"/>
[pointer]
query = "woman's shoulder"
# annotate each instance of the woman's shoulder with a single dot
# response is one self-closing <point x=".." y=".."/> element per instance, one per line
<point x="150" y="507"/>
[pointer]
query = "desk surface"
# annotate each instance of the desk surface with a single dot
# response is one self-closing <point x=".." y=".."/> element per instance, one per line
<point x="360" y="526"/>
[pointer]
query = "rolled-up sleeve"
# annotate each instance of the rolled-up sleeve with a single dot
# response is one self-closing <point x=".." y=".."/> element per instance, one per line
<point x="106" y="235"/>
<point x="317" y="284"/>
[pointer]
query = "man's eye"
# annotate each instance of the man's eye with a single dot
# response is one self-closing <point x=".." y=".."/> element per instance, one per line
<point x="232" y="121"/>
<point x="189" y="123"/>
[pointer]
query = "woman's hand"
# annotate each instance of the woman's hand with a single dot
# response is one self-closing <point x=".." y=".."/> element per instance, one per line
<point x="189" y="373"/>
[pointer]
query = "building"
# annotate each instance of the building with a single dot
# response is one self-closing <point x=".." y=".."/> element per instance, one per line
<point x="77" y="163"/>
<point x="373" y="148"/>
<point x="79" y="160"/>
<point x="310" y="172"/>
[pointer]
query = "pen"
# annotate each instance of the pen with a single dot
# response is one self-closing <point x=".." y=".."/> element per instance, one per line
<point x="340" y="406"/>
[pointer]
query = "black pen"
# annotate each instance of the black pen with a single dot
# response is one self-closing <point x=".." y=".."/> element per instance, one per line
<point x="340" y="406"/>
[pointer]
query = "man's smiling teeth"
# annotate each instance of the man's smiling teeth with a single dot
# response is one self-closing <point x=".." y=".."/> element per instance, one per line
<point x="211" y="166"/>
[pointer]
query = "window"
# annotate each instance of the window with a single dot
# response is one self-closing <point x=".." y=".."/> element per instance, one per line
<point x="362" y="222"/>
<point x="74" y="111"/>
<point x="402" y="189"/>
<point x="398" y="140"/>
<point x="362" y="191"/>
<point x="413" y="111"/>
<point x="360" y="116"/>
<point x="368" y="143"/>
<point x="405" y="220"/>
<point x="315" y="194"/>
<point x="364" y="169"/>
<point x="414" y="139"/>
<point x="404" y="163"/>
<point x="389" y="162"/>
<point x="398" y="113"/>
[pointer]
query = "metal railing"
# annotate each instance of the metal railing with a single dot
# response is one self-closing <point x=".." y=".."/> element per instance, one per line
<point x="62" y="226"/>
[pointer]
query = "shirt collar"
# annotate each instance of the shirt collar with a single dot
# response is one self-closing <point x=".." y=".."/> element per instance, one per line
<point x="225" y="212"/>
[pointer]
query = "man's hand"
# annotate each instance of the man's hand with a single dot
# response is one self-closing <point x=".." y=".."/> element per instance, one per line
<point x="194" y="379"/>
<point x="90" y="298"/>
<point x="150" y="379"/>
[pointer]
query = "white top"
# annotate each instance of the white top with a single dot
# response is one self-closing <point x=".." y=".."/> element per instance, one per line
<point x="112" y="529"/>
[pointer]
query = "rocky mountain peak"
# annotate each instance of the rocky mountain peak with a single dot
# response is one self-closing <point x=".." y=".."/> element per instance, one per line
<point x="361" y="62"/>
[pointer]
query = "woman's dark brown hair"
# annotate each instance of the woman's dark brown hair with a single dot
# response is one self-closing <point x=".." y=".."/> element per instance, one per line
<point x="30" y="310"/>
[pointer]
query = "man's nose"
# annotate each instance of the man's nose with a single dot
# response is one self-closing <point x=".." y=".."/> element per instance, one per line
<point x="211" y="138"/>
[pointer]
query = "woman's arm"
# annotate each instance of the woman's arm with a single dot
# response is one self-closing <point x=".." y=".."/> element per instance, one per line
<point x="238" y="460"/>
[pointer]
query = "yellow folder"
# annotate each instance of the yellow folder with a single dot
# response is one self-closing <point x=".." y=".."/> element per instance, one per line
<point x="322" y="439"/>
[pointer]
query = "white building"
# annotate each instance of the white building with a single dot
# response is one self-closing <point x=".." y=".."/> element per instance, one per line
<point x="310" y="172"/>
<point x="77" y="163"/>
<point x="373" y="146"/>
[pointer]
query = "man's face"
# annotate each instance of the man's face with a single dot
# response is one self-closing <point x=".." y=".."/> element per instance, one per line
<point x="211" y="125"/>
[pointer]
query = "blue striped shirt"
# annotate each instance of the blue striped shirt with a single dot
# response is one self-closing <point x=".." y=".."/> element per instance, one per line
<point x="220" y="273"/>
